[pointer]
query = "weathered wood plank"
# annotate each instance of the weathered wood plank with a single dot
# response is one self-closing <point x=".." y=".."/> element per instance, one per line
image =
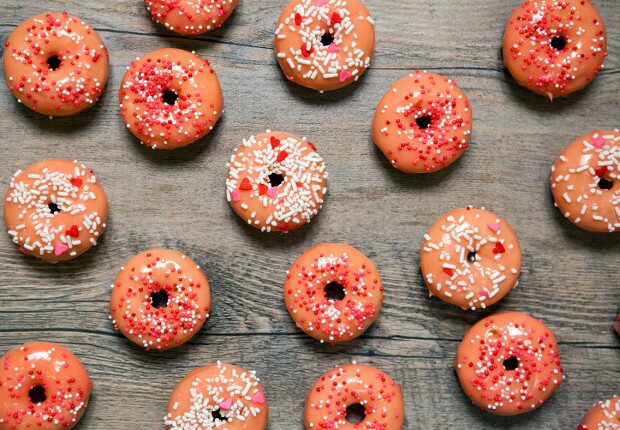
<point x="176" y="199"/>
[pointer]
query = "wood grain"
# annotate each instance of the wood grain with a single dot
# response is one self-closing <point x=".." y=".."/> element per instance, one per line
<point x="571" y="278"/>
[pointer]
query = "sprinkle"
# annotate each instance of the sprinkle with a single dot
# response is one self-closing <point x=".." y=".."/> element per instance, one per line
<point x="272" y="192"/>
<point x="60" y="248"/>
<point x="344" y="75"/>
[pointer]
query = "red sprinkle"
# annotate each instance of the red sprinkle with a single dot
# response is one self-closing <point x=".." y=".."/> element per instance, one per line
<point x="274" y="142"/>
<point x="76" y="182"/>
<point x="281" y="156"/>
<point x="73" y="231"/>
<point x="499" y="248"/>
<point x="245" y="185"/>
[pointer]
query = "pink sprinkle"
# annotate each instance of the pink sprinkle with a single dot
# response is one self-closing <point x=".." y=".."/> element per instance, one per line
<point x="598" y="142"/>
<point x="226" y="404"/>
<point x="59" y="248"/>
<point x="320" y="3"/>
<point x="272" y="192"/>
<point x="493" y="226"/>
<point x="333" y="48"/>
<point x="258" y="398"/>
<point x="344" y="75"/>
<point x="23" y="250"/>
<point x="235" y="196"/>
<point x="484" y="293"/>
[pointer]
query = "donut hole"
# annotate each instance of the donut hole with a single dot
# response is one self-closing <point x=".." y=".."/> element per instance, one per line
<point x="511" y="363"/>
<point x="558" y="42"/>
<point x="37" y="394"/>
<point x="217" y="415"/>
<point x="276" y="179"/>
<point x="356" y="413"/>
<point x="471" y="256"/>
<point x="605" y="184"/>
<point x="54" y="62"/>
<point x="159" y="299"/>
<point x="53" y="207"/>
<point x="327" y="39"/>
<point x="334" y="291"/>
<point x="423" y="121"/>
<point x="169" y="97"/>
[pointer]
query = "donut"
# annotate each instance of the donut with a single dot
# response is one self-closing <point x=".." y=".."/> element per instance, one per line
<point x="509" y="363"/>
<point x="55" y="210"/>
<point x="190" y="16"/>
<point x="160" y="299"/>
<point x="470" y="258"/>
<point x="355" y="396"/>
<point x="42" y="386"/>
<point x="554" y="47"/>
<point x="423" y="123"/>
<point x="324" y="44"/>
<point x="276" y="181"/>
<point x="604" y="415"/>
<point x="218" y="396"/>
<point x="585" y="181"/>
<point x="170" y="98"/>
<point x="56" y="64"/>
<point x="333" y="292"/>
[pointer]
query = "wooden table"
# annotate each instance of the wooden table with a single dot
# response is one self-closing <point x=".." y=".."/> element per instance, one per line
<point x="176" y="199"/>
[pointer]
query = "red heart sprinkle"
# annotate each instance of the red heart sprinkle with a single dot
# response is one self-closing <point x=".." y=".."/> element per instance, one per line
<point x="335" y="19"/>
<point x="284" y="227"/>
<point x="448" y="272"/>
<point x="601" y="171"/>
<point x="312" y="146"/>
<point x="73" y="231"/>
<point x="274" y="142"/>
<point x="281" y="156"/>
<point x="299" y="184"/>
<point x="297" y="19"/>
<point x="245" y="185"/>
<point x="262" y="189"/>
<point x="499" y="248"/>
<point x="305" y="52"/>
<point x="76" y="182"/>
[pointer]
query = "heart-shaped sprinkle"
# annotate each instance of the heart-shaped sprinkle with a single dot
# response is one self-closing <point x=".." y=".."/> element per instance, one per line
<point x="262" y="189"/>
<point x="335" y="19"/>
<point x="312" y="146"/>
<point x="258" y="398"/>
<point x="272" y="192"/>
<point x="499" y="248"/>
<point x="299" y="184"/>
<point x="320" y="3"/>
<point x="245" y="185"/>
<point x="59" y="248"/>
<point x="344" y="75"/>
<point x="284" y="227"/>
<point x="598" y="142"/>
<point x="305" y="51"/>
<point x="448" y="272"/>
<point x="73" y="231"/>
<point x="226" y="404"/>
<point x="493" y="226"/>
<point x="22" y="250"/>
<point x="601" y="172"/>
<point x="76" y="182"/>
<point x="297" y="19"/>
<point x="274" y="142"/>
<point x="333" y="48"/>
<point x="235" y="196"/>
<point x="281" y="156"/>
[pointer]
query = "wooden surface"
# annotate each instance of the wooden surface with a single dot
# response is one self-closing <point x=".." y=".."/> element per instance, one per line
<point x="571" y="278"/>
